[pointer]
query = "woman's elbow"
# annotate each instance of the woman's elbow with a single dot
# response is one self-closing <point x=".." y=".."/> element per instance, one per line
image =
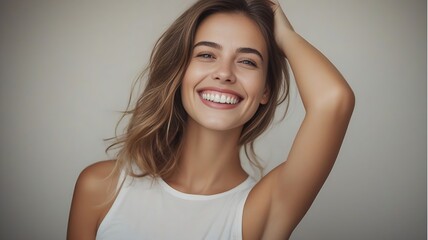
<point x="340" y="101"/>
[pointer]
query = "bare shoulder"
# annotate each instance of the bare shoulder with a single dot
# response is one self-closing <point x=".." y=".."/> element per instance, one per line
<point x="97" y="181"/>
<point x="96" y="175"/>
<point x="257" y="207"/>
<point x="92" y="198"/>
<point x="263" y="217"/>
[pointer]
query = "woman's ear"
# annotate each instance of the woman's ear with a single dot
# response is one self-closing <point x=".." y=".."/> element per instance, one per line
<point x="265" y="97"/>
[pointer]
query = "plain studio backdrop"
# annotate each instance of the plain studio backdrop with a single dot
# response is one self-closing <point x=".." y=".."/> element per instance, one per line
<point x="66" y="72"/>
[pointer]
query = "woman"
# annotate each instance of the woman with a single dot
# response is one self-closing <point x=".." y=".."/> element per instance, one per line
<point x="214" y="80"/>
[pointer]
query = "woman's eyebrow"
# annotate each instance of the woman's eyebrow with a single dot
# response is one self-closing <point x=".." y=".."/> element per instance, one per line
<point x="208" y="44"/>
<point x="239" y="50"/>
<point x="249" y="50"/>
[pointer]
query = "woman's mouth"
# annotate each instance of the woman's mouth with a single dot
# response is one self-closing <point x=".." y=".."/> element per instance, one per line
<point x="218" y="97"/>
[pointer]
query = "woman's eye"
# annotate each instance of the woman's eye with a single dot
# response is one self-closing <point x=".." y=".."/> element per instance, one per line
<point x="205" y="55"/>
<point x="249" y="62"/>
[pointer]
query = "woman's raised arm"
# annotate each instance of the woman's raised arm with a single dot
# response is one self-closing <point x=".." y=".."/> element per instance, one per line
<point x="328" y="101"/>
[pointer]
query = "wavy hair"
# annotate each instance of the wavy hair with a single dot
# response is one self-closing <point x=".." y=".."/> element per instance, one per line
<point x="153" y="138"/>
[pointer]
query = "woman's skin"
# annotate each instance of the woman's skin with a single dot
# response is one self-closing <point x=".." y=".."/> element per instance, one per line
<point x="210" y="161"/>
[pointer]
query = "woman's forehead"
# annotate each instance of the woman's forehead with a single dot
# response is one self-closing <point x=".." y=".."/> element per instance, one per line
<point x="231" y="30"/>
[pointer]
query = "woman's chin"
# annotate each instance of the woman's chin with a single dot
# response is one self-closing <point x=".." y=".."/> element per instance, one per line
<point x="218" y="124"/>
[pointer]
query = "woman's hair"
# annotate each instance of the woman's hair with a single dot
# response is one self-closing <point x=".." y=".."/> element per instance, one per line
<point x="153" y="137"/>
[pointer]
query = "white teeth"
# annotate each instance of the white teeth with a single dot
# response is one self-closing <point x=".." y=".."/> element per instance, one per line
<point x="219" y="98"/>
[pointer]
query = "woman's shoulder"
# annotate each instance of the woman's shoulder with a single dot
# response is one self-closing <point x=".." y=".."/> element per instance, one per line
<point x="93" y="194"/>
<point x="98" y="171"/>
<point x="98" y="179"/>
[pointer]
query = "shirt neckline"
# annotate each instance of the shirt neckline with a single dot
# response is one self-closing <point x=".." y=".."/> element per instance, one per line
<point x="187" y="196"/>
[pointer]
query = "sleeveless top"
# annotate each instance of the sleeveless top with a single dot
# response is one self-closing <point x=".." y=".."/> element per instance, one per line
<point x="147" y="208"/>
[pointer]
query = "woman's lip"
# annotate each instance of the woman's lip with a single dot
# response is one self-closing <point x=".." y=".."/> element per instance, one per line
<point x="220" y="90"/>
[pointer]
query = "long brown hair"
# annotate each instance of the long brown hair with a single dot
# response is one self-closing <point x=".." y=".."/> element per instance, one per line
<point x="153" y="137"/>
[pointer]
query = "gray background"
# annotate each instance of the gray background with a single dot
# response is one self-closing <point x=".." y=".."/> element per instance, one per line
<point x="67" y="67"/>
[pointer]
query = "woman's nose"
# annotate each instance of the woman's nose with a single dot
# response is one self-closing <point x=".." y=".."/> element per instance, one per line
<point x="224" y="72"/>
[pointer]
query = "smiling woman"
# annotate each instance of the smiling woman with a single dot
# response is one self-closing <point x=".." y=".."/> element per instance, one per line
<point x="215" y="79"/>
<point x="227" y="61"/>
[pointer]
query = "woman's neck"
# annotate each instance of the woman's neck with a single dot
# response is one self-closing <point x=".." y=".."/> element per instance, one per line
<point x="209" y="161"/>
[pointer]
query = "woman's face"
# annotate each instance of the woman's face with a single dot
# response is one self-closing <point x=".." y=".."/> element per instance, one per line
<point x="225" y="81"/>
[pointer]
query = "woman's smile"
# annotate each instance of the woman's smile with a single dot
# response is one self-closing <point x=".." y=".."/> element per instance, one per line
<point x="219" y="98"/>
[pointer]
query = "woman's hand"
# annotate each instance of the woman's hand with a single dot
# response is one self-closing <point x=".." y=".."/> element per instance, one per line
<point x="282" y="24"/>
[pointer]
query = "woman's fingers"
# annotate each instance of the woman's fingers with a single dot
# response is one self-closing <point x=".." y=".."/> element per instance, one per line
<point x="282" y="25"/>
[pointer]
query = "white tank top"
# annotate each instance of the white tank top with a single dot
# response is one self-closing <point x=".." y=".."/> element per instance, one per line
<point x="146" y="209"/>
